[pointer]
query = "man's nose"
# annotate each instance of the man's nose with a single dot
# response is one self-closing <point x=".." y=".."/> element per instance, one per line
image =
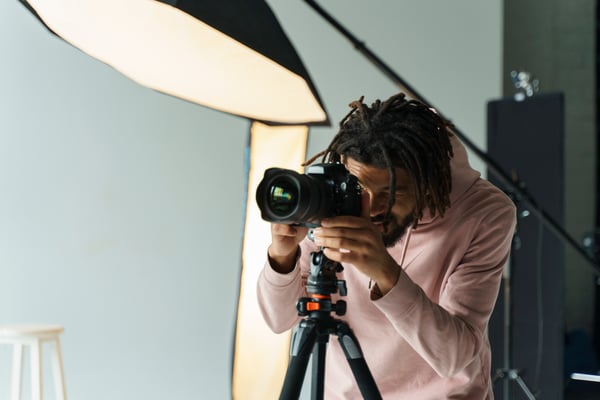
<point x="378" y="204"/>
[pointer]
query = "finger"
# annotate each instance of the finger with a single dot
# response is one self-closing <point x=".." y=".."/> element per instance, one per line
<point x="340" y="255"/>
<point x="348" y="239"/>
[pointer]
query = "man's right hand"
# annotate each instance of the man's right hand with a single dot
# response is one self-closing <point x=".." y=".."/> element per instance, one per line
<point x="284" y="246"/>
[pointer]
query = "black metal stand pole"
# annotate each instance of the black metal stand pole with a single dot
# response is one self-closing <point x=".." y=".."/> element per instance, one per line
<point x="514" y="183"/>
<point x="508" y="373"/>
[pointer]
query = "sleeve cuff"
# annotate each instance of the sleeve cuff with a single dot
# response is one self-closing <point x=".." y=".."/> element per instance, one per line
<point x="281" y="279"/>
<point x="401" y="298"/>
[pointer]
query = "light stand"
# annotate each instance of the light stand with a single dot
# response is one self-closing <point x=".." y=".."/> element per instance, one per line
<point x="312" y="335"/>
<point x="508" y="373"/>
<point x="513" y="182"/>
<point x="517" y="187"/>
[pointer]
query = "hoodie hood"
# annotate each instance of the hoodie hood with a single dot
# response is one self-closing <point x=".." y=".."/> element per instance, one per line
<point x="463" y="176"/>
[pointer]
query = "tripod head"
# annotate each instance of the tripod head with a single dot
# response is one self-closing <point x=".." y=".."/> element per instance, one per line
<point x="312" y="334"/>
<point x="321" y="283"/>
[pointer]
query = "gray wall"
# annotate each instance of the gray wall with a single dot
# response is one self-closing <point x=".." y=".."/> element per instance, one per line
<point x="121" y="210"/>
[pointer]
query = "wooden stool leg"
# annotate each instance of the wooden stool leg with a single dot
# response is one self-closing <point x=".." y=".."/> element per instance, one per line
<point x="17" y="368"/>
<point x="57" y="367"/>
<point x="36" y="370"/>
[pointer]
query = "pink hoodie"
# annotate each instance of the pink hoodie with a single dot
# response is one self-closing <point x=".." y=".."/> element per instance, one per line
<point x="427" y="338"/>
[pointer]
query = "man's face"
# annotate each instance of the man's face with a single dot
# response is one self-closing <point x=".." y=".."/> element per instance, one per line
<point x="376" y="182"/>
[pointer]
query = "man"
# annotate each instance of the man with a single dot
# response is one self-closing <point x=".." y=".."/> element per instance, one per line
<point x="422" y="264"/>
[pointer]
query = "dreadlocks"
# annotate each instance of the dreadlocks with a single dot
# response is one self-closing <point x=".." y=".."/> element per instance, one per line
<point x="399" y="133"/>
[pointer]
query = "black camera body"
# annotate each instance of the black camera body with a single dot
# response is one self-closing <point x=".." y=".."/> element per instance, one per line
<point x="326" y="190"/>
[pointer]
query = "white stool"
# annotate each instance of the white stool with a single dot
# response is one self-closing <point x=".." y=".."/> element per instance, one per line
<point x="34" y="336"/>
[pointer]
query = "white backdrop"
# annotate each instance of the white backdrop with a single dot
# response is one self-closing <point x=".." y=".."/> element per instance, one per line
<point x="121" y="209"/>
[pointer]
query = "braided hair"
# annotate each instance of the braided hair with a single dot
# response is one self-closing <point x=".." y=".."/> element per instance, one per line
<point x="399" y="133"/>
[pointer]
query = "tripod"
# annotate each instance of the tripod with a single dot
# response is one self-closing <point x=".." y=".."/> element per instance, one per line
<point x="312" y="335"/>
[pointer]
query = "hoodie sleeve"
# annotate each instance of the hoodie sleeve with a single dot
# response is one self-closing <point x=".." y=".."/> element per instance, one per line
<point x="449" y="333"/>
<point x="278" y="293"/>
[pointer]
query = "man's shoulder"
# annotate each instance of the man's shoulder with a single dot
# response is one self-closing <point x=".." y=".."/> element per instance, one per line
<point x="485" y="198"/>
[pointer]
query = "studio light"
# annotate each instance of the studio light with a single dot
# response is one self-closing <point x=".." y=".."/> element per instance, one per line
<point x="232" y="56"/>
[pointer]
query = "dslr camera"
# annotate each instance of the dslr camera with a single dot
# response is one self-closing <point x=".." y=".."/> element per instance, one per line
<point x="326" y="190"/>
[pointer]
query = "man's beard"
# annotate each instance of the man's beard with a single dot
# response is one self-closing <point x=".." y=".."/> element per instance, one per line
<point x="393" y="230"/>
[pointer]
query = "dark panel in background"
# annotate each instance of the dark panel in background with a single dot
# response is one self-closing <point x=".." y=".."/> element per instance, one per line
<point x="596" y="250"/>
<point x="526" y="139"/>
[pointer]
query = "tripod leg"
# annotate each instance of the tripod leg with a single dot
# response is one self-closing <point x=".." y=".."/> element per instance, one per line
<point x="303" y="342"/>
<point x="318" y="367"/>
<point x="358" y="365"/>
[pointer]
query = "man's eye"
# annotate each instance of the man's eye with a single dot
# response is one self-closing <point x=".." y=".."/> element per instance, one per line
<point x="383" y="195"/>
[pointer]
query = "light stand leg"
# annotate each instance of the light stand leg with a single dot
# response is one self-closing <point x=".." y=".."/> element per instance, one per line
<point x="507" y="330"/>
<point x="508" y="373"/>
<point x="513" y="375"/>
<point x="523" y="386"/>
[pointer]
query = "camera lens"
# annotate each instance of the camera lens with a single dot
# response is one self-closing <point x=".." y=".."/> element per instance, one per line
<point x="283" y="197"/>
<point x="287" y="197"/>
